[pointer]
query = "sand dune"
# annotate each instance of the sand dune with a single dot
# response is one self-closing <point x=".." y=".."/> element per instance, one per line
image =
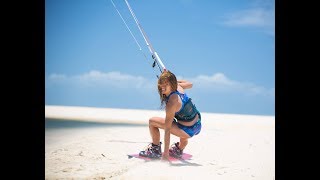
<point x="230" y="146"/>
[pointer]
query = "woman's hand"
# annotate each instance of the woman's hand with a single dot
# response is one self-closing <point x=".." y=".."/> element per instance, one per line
<point x="185" y="84"/>
<point x="165" y="156"/>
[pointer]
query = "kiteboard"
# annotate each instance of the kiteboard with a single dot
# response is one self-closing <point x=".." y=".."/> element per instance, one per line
<point x="185" y="156"/>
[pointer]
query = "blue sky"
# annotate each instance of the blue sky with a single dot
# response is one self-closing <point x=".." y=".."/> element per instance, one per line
<point x="226" y="48"/>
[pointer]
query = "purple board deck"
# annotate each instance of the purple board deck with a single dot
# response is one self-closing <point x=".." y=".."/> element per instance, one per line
<point x="185" y="156"/>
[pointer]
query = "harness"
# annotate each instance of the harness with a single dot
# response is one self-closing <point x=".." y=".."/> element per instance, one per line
<point x="188" y="110"/>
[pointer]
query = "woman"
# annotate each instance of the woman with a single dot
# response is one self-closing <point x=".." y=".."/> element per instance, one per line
<point x="182" y="118"/>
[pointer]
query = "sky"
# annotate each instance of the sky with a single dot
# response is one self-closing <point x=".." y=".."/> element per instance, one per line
<point x="225" y="48"/>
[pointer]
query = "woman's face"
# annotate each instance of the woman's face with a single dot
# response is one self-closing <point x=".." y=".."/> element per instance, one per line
<point x="165" y="88"/>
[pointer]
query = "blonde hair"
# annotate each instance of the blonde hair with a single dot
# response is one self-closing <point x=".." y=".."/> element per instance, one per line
<point x="169" y="77"/>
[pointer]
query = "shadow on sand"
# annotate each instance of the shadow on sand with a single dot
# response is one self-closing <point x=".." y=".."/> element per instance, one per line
<point x="61" y="123"/>
<point x="184" y="163"/>
<point x="178" y="162"/>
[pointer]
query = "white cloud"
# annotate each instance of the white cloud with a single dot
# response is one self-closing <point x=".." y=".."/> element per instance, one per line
<point x="57" y="77"/>
<point x="253" y="17"/>
<point x="217" y="82"/>
<point x="100" y="79"/>
<point x="218" y="78"/>
<point x="220" y="83"/>
<point x="261" y="16"/>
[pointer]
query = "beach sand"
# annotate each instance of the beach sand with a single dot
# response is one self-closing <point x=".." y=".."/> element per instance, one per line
<point x="93" y="143"/>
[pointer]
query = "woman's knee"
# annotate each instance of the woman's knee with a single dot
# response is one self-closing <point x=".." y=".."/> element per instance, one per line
<point x="153" y="120"/>
<point x="156" y="122"/>
<point x="184" y="139"/>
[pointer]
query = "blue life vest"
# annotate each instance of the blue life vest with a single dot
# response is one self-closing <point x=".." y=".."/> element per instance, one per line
<point x="188" y="110"/>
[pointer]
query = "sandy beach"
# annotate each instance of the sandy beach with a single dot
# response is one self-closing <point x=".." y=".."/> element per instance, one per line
<point x="93" y="143"/>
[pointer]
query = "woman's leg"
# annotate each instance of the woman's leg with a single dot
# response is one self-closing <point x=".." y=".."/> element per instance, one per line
<point x="183" y="143"/>
<point x="154" y="124"/>
<point x="158" y="122"/>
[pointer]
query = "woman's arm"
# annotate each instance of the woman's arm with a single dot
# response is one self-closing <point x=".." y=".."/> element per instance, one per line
<point x="185" y="84"/>
<point x="170" y="111"/>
